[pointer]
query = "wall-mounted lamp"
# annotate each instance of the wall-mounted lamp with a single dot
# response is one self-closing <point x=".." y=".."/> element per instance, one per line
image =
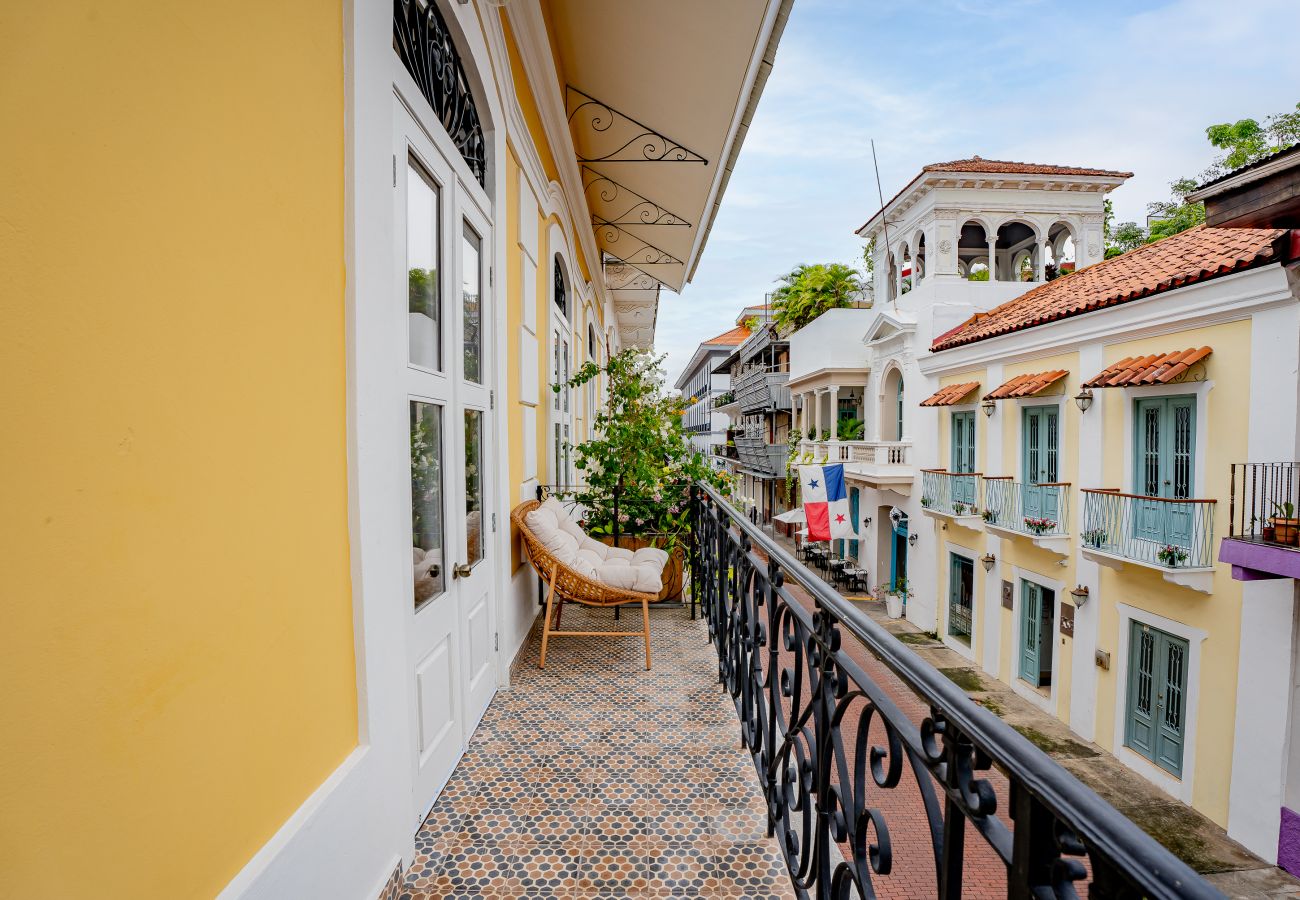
<point x="988" y="406"/>
<point x="1083" y="399"/>
<point x="1080" y="595"/>
<point x="912" y="539"/>
<point x="988" y="561"/>
<point x="866" y="523"/>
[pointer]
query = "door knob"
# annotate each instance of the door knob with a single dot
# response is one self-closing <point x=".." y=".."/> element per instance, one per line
<point x="461" y="570"/>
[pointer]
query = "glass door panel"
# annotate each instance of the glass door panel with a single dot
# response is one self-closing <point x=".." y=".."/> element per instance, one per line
<point x="473" y="486"/>
<point x="471" y="290"/>
<point x="426" y="501"/>
<point x="424" y="296"/>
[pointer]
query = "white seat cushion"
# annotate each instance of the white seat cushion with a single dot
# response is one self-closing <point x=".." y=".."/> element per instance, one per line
<point x="615" y="566"/>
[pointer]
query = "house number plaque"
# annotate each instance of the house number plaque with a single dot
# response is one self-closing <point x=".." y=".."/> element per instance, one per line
<point x="1007" y="595"/>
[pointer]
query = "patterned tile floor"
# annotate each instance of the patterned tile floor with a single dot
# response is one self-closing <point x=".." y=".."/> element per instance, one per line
<point x="596" y="778"/>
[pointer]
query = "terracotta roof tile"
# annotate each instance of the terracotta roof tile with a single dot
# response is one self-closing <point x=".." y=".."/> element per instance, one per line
<point x="1005" y="167"/>
<point x="1161" y="368"/>
<point x="950" y="395"/>
<point x="1025" y="385"/>
<point x="1198" y="254"/>
<point x="730" y="338"/>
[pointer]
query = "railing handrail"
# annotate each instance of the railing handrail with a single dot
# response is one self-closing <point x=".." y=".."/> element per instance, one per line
<point x="1099" y="824"/>
<point x="954" y="474"/>
<point x="1113" y="492"/>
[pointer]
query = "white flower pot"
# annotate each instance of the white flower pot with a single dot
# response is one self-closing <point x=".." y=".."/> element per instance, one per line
<point x="894" y="606"/>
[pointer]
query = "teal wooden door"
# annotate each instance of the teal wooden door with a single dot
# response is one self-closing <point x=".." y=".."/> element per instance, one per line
<point x="1040" y="463"/>
<point x="1157" y="696"/>
<point x="1037" y="611"/>
<point x="1031" y="611"/>
<point x="1165" y="430"/>
<point x="898" y="556"/>
<point x="963" y="456"/>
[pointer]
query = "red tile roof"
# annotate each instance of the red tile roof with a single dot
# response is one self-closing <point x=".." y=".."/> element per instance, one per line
<point x="1004" y="167"/>
<point x="730" y="338"/>
<point x="950" y="395"/>
<point x="1025" y="385"/>
<point x="1161" y="368"/>
<point x="1198" y="254"/>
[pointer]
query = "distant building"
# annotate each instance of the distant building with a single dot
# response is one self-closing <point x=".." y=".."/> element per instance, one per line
<point x="705" y="424"/>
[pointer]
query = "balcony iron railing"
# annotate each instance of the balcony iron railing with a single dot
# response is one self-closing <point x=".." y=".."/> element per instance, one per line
<point x="828" y="741"/>
<point x="951" y="493"/>
<point x="1038" y="510"/>
<point x="1264" y="503"/>
<point x="1155" y="531"/>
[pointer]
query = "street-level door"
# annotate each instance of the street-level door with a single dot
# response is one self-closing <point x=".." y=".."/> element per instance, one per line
<point x="442" y="268"/>
<point x="1157" y="690"/>
<point x="1037" y="614"/>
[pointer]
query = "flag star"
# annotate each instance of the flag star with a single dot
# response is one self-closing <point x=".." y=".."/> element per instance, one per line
<point x="813" y="483"/>
<point x="839" y="519"/>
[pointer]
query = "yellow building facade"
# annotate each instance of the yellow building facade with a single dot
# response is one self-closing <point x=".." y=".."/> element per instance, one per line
<point x="288" y="287"/>
<point x="1084" y="478"/>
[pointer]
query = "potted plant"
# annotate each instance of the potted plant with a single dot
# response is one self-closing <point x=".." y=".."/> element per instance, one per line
<point x="1286" y="527"/>
<point x="925" y="502"/>
<point x="1039" y="526"/>
<point x="990" y="516"/>
<point x="1171" y="555"/>
<point x="895" y="596"/>
<point x="639" y="466"/>
<point x="959" y="508"/>
<point x="1094" y="537"/>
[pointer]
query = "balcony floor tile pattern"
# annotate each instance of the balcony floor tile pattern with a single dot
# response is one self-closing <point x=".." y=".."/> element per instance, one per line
<point x="596" y="778"/>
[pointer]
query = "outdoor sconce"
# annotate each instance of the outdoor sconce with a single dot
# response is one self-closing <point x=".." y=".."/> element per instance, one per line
<point x="988" y="561"/>
<point x="988" y="406"/>
<point x="912" y="539"/>
<point x="1084" y="399"/>
<point x="1080" y="595"/>
<point x="866" y="523"/>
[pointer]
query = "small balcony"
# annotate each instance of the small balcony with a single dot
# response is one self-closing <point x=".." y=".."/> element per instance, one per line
<point x="1039" y="512"/>
<point x="762" y="388"/>
<point x="1263" y="539"/>
<point x="759" y="456"/>
<point x="952" y="495"/>
<point x="1172" y="536"/>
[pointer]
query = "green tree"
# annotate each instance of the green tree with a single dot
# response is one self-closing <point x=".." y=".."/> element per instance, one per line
<point x="640" y="463"/>
<point x="1247" y="140"/>
<point x="808" y="290"/>
<point x="1176" y="214"/>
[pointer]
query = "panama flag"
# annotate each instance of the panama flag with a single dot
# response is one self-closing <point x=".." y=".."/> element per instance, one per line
<point x="825" y="502"/>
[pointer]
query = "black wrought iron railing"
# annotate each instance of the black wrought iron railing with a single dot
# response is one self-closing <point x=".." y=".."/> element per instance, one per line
<point x="854" y="783"/>
<point x="1264" y="503"/>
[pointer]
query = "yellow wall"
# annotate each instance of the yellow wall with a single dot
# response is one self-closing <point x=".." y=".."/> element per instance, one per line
<point x="1218" y="614"/>
<point x="177" y="651"/>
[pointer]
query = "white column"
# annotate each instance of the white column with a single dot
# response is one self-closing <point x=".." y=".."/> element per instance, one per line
<point x="1040" y="269"/>
<point x="1092" y="453"/>
<point x="993" y="255"/>
<point x="817" y="415"/>
<point x="835" y="412"/>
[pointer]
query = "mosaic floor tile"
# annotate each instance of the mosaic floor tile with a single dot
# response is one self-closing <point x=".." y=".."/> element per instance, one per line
<point x="594" y="778"/>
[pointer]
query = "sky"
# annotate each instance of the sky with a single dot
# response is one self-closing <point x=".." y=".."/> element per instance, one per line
<point x="1116" y="85"/>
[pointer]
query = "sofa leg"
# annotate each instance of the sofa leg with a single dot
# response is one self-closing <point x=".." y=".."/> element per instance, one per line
<point x="645" y="623"/>
<point x="546" y="620"/>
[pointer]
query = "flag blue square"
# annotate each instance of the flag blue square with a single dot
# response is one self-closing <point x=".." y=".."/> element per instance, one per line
<point x="835" y="483"/>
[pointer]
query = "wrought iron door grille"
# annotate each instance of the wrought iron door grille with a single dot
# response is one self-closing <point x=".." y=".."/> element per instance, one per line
<point x="425" y="46"/>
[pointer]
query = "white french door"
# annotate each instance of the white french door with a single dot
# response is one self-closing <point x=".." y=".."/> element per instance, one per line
<point x="443" y="249"/>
